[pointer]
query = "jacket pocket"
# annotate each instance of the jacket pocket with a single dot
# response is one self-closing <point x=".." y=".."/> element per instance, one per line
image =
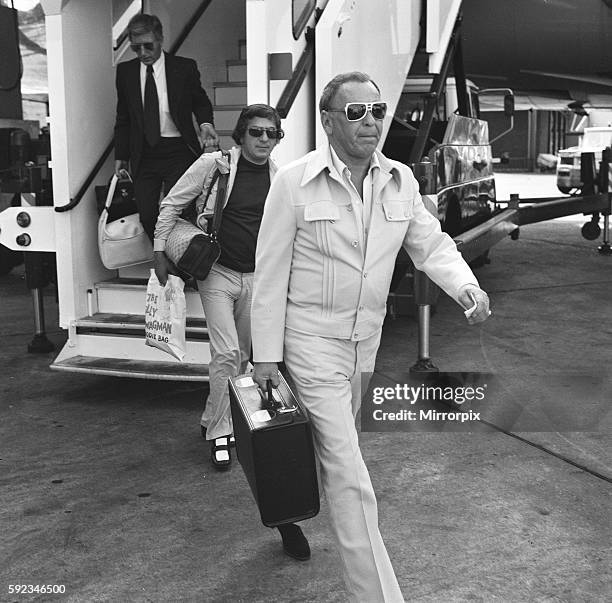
<point x="321" y="210"/>
<point x="320" y="218"/>
<point x="396" y="210"/>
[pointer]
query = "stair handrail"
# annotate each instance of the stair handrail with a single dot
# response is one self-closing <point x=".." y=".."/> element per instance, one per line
<point x="304" y="64"/>
<point x="102" y="160"/>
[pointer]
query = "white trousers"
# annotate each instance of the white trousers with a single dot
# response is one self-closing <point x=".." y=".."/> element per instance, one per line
<point x="226" y="296"/>
<point x="327" y="376"/>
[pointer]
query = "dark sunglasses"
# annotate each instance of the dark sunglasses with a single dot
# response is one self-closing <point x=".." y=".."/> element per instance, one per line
<point x="272" y="133"/>
<point x="357" y="111"/>
<point x="144" y="46"/>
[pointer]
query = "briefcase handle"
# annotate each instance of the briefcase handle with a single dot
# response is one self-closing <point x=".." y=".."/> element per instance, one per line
<point x="274" y="405"/>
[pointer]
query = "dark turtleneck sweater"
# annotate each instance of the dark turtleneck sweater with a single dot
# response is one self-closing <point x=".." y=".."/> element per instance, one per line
<point x="241" y="216"/>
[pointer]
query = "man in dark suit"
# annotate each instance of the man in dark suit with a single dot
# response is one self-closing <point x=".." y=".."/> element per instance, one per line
<point x="157" y="96"/>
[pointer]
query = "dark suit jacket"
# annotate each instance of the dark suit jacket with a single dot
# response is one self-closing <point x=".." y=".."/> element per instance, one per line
<point x="185" y="96"/>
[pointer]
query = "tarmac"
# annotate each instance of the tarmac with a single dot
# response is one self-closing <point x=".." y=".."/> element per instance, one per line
<point x="107" y="487"/>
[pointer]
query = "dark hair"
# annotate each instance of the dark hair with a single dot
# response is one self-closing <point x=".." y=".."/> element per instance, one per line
<point x="142" y="23"/>
<point x="248" y="113"/>
<point x="334" y="84"/>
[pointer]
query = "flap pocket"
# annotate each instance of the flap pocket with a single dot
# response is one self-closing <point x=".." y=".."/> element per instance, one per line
<point x="321" y="210"/>
<point x="397" y="210"/>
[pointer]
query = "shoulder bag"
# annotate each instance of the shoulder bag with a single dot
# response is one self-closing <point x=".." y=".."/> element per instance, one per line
<point x="124" y="241"/>
<point x="190" y="248"/>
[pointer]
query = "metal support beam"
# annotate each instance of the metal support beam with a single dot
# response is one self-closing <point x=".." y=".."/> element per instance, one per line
<point x="425" y="291"/>
<point x="604" y="187"/>
<point x="437" y="86"/>
<point x="463" y="99"/>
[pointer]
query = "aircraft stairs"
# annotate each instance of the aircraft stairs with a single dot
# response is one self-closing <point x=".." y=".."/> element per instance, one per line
<point x="105" y="316"/>
<point x="116" y="305"/>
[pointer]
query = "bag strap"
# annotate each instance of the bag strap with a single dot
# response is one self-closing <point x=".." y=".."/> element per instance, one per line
<point x="111" y="190"/>
<point x="221" y="191"/>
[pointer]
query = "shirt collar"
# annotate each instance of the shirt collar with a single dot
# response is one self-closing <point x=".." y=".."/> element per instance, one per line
<point x="325" y="158"/>
<point x="159" y="64"/>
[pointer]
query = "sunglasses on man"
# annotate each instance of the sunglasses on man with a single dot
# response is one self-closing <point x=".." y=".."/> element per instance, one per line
<point x="357" y="111"/>
<point x="272" y="133"/>
<point x="144" y="46"/>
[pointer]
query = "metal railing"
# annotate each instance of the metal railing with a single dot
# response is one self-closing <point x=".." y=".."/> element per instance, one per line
<point x="304" y="64"/>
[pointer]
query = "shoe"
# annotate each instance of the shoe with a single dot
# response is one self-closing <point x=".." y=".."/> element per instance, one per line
<point x="294" y="542"/>
<point x="203" y="431"/>
<point x="232" y="441"/>
<point x="220" y="461"/>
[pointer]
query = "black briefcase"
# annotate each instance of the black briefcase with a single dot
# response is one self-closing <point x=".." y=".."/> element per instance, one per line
<point x="274" y="447"/>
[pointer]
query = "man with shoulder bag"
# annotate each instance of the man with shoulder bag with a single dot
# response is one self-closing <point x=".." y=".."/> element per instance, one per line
<point x="227" y="290"/>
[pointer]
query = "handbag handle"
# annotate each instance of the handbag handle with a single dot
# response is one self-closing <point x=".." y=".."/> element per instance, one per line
<point x="111" y="190"/>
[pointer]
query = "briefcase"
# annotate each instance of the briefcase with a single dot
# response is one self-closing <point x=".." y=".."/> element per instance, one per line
<point x="274" y="447"/>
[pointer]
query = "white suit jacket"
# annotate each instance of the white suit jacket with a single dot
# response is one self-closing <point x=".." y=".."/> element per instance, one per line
<point x="314" y="271"/>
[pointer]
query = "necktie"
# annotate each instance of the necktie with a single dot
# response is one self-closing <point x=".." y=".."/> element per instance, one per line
<point x="151" y="109"/>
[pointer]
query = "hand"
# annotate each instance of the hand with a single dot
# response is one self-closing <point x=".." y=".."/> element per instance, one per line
<point x="264" y="372"/>
<point x="209" y="135"/>
<point x="162" y="266"/>
<point x="470" y="294"/>
<point x="121" y="168"/>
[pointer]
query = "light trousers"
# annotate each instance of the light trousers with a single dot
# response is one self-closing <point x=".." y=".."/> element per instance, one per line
<point x="327" y="377"/>
<point x="226" y="297"/>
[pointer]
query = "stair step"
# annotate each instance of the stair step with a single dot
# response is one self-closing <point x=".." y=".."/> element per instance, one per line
<point x="105" y="321"/>
<point x="130" y="345"/>
<point x="127" y="296"/>
<point x="120" y="367"/>
<point x="230" y="93"/>
<point x="236" y="70"/>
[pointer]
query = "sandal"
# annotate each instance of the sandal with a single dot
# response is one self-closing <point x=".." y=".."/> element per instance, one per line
<point x="220" y="454"/>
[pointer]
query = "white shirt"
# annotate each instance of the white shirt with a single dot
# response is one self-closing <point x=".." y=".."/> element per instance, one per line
<point x="167" y="126"/>
<point x="361" y="206"/>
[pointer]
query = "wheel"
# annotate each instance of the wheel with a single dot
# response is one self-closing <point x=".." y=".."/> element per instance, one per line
<point x="591" y="231"/>
<point x="564" y="189"/>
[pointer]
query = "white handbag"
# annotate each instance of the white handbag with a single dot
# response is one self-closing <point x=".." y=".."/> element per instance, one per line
<point x="122" y="242"/>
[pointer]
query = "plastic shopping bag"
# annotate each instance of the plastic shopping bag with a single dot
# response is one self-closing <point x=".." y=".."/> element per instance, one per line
<point x="165" y="315"/>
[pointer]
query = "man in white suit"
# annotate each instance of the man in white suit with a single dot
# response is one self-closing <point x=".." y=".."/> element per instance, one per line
<point x="333" y="223"/>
